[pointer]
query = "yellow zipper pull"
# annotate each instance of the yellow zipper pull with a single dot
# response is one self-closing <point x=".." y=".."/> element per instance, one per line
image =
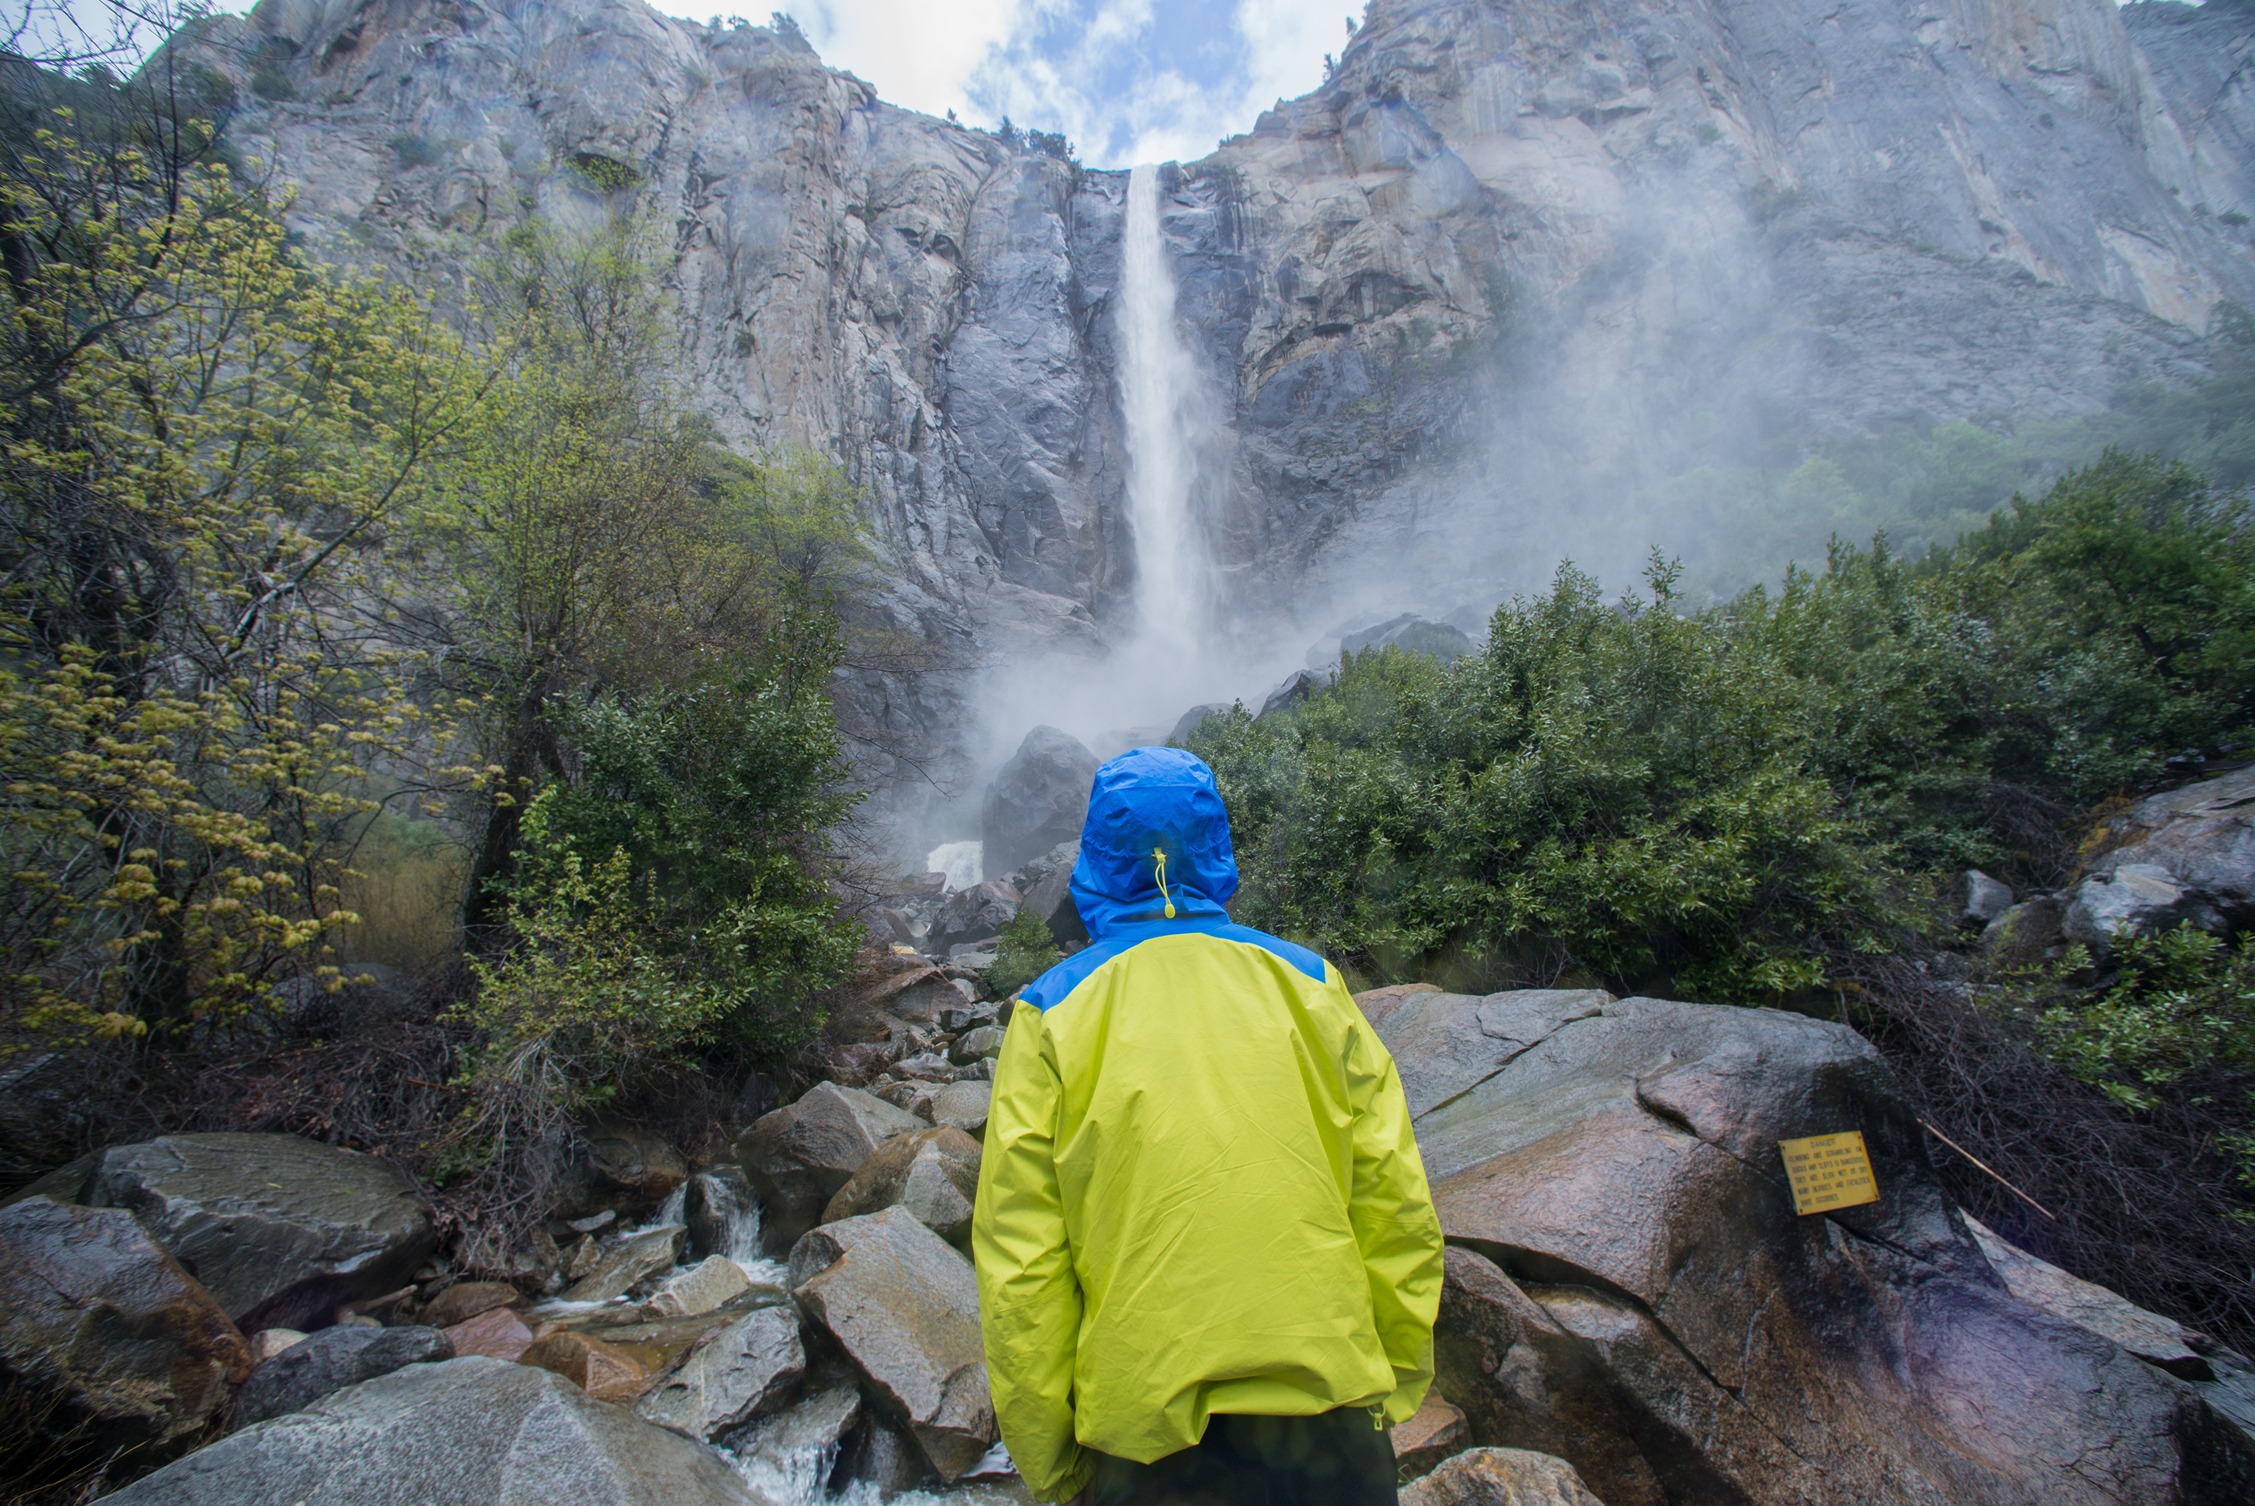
<point x="1159" y="854"/>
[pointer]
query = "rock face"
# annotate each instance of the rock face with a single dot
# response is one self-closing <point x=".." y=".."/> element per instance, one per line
<point x="280" y="1230"/>
<point x="331" y="1360"/>
<point x="1036" y="801"/>
<point x="473" y="1432"/>
<point x="798" y="1157"/>
<point x="2188" y="857"/>
<point x="734" y="1374"/>
<point x="931" y="1174"/>
<point x="1630" y="1289"/>
<point x="904" y="1310"/>
<point x="1498" y="229"/>
<point x="97" y="1318"/>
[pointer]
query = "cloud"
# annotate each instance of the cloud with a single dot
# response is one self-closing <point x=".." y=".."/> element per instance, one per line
<point x="1127" y="80"/>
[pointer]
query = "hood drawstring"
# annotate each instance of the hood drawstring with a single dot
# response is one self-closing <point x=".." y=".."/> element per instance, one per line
<point x="1159" y="855"/>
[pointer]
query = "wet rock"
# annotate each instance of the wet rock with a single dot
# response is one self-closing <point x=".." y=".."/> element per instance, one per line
<point x="798" y="1157"/>
<point x="331" y="1360"/>
<point x="1650" y="1307"/>
<point x="718" y="1203"/>
<point x="1302" y="684"/>
<point x="2026" y="934"/>
<point x="1435" y="1431"/>
<point x="624" y="1167"/>
<point x="932" y="1174"/>
<point x="884" y="1460"/>
<point x="903" y="1308"/>
<point x="2157" y="1340"/>
<point x="972" y="1045"/>
<point x="1501" y="1477"/>
<point x="464" y="1300"/>
<point x="602" y="1371"/>
<point x="468" y="1432"/>
<point x="2132" y="900"/>
<point x="974" y="914"/>
<point x="98" y="1320"/>
<point x="734" y="1374"/>
<point x="282" y="1231"/>
<point x="1446" y="1044"/>
<point x="499" y="1334"/>
<point x="963" y="1105"/>
<point x="635" y="1258"/>
<point x="809" y="1432"/>
<point x="708" y="1284"/>
<point x="1048" y="893"/>
<point x="1980" y="898"/>
<point x="1036" y="801"/>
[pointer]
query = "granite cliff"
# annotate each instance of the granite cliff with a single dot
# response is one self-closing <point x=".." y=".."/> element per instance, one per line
<point x="1452" y="309"/>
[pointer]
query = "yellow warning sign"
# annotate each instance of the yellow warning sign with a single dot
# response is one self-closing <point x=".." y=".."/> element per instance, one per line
<point x="1829" y="1171"/>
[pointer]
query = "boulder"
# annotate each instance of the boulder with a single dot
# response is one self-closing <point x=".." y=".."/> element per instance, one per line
<point x="1980" y="898"/>
<point x="464" y="1300"/>
<point x="331" y="1360"/>
<point x="974" y="914"/>
<point x="720" y="1211"/>
<point x="469" y="1432"/>
<point x="1377" y="1004"/>
<point x="791" y="1451"/>
<point x="798" y="1157"/>
<point x="601" y="1370"/>
<point x="708" y="1284"/>
<point x="282" y="1231"/>
<point x="2026" y="934"/>
<point x="97" y="1320"/>
<point x="624" y="1167"/>
<point x="975" y="1045"/>
<point x="1501" y="1477"/>
<point x="1411" y="634"/>
<point x="732" y="1375"/>
<point x="1195" y="718"/>
<point x="903" y="1308"/>
<point x="1629" y="1287"/>
<point x="1036" y="801"/>
<point x="635" y="1258"/>
<point x="1302" y="684"/>
<point x="2184" y="855"/>
<point x="1432" y="1433"/>
<point x="932" y="1174"/>
<point x="269" y="1342"/>
<point x="963" y="1105"/>
<point x="1047" y="888"/>
<point x="498" y="1334"/>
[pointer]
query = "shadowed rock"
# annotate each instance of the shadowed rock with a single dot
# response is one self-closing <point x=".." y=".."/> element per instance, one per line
<point x="903" y="1308"/>
<point x="2188" y="858"/>
<point x="799" y="1156"/>
<point x="467" y="1432"/>
<point x="635" y="1258"/>
<point x="331" y="1360"/>
<point x="280" y="1230"/>
<point x="97" y="1318"/>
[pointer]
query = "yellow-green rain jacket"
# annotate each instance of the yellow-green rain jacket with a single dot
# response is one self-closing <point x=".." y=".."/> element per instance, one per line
<point x="1200" y="1193"/>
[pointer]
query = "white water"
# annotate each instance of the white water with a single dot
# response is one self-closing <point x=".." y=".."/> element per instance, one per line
<point x="1158" y="386"/>
<point x="958" y="860"/>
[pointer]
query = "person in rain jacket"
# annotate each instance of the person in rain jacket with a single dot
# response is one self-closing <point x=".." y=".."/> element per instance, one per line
<point x="1208" y="1259"/>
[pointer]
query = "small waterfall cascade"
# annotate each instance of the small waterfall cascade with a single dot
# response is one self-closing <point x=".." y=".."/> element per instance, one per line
<point x="1158" y="384"/>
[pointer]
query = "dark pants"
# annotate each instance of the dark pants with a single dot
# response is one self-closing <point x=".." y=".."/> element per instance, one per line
<point x="1335" y="1459"/>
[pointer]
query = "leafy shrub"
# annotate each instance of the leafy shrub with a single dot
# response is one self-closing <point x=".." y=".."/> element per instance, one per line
<point x="2179" y="1011"/>
<point x="1026" y="953"/>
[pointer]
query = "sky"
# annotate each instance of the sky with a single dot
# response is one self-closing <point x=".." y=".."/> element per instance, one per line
<point x="1127" y="81"/>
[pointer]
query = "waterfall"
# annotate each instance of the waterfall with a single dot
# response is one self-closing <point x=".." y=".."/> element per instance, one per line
<point x="1158" y="382"/>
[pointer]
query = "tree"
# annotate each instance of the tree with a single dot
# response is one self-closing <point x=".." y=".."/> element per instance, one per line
<point x="203" y="443"/>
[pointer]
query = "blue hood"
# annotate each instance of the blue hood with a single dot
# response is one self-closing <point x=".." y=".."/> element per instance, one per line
<point x="1146" y="799"/>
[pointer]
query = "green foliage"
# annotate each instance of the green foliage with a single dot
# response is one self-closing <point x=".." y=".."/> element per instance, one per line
<point x="1725" y="801"/>
<point x="1028" y="951"/>
<point x="608" y="174"/>
<point x="2180" y="1011"/>
<point x="715" y="798"/>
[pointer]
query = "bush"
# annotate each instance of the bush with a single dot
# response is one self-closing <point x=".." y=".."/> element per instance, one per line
<point x="1026" y="953"/>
